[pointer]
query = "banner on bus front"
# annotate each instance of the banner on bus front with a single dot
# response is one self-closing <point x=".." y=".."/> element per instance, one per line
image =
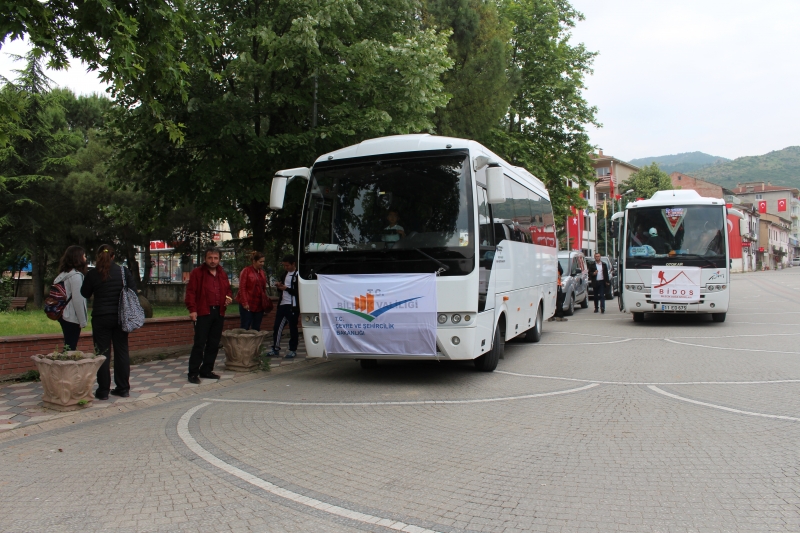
<point x="378" y="314"/>
<point x="675" y="284"/>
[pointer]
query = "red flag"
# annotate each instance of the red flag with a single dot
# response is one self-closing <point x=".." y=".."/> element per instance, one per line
<point x="574" y="228"/>
<point x="734" y="237"/>
<point x="782" y="204"/>
<point x="762" y="206"/>
<point x="611" y="177"/>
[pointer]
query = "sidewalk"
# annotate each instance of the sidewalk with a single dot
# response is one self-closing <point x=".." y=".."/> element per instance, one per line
<point x="21" y="405"/>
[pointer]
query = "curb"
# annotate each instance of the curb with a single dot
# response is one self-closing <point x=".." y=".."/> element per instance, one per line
<point x="134" y="405"/>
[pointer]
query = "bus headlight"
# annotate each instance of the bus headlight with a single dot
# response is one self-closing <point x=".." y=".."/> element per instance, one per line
<point x="456" y="341"/>
<point x="442" y="318"/>
<point x="456" y="318"/>
<point x="466" y="318"/>
<point x="710" y="288"/>
<point x="639" y="287"/>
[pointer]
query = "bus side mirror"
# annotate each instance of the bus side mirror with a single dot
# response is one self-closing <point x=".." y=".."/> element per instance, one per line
<point x="277" y="192"/>
<point x="282" y="177"/>
<point x="495" y="188"/>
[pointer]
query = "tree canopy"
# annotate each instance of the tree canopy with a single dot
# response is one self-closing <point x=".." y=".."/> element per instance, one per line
<point x="647" y="180"/>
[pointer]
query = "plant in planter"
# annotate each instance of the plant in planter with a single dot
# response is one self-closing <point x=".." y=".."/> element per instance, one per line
<point x="242" y="349"/>
<point x="68" y="378"/>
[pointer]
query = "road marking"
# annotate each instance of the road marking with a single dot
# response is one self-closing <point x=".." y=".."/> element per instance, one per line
<point x="720" y="407"/>
<point x="601" y="382"/>
<point x="410" y="402"/>
<point x="194" y="446"/>
<point x="732" y="349"/>
<point x="581" y="343"/>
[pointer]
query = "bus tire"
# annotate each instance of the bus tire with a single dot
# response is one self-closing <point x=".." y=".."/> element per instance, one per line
<point x="535" y="333"/>
<point x="488" y="361"/>
<point x="719" y="317"/>
<point x="571" y="309"/>
<point x="368" y="364"/>
<point x="638" y="317"/>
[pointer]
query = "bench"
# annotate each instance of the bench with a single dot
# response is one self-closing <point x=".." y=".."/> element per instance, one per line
<point x="19" y="302"/>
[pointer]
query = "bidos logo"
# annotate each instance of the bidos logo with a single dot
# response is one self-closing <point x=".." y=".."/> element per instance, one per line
<point x="365" y="307"/>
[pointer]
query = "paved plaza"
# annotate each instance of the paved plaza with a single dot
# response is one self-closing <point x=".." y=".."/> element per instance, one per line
<point x="677" y="424"/>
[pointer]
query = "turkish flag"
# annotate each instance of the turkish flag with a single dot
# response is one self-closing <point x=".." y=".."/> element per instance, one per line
<point x="575" y="228"/>
<point x="782" y="204"/>
<point x="611" y="182"/>
<point x="762" y="206"/>
<point x="734" y="237"/>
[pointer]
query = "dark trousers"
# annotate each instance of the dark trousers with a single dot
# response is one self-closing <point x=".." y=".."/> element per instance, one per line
<point x="72" y="332"/>
<point x="250" y="319"/>
<point x="285" y="315"/>
<point x="599" y="289"/>
<point x="105" y="332"/>
<point x="207" y="334"/>
<point x="560" y="304"/>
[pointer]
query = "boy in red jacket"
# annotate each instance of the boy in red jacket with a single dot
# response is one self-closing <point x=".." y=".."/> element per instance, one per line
<point x="207" y="295"/>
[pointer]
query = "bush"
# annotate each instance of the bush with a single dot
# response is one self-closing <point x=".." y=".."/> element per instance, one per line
<point x="6" y="292"/>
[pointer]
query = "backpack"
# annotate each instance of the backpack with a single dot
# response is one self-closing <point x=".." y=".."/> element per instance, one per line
<point x="131" y="314"/>
<point x="56" y="301"/>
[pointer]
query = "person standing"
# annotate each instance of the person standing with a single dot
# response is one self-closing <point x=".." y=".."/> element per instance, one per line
<point x="104" y="283"/>
<point x="208" y="293"/>
<point x="252" y="295"/>
<point x="600" y="280"/>
<point x="559" y="315"/>
<point x="288" y="310"/>
<point x="71" y="270"/>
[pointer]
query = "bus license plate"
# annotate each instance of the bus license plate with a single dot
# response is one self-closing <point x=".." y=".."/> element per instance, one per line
<point x="674" y="307"/>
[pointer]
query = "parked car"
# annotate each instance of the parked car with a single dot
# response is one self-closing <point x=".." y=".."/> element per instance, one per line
<point x="574" y="280"/>
<point x="796" y="261"/>
<point x="613" y="289"/>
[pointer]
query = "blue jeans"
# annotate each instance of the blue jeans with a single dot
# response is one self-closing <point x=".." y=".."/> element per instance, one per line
<point x="250" y="318"/>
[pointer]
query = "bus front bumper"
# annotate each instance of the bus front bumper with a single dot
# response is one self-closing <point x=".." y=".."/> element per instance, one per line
<point x="452" y="344"/>
<point x="710" y="302"/>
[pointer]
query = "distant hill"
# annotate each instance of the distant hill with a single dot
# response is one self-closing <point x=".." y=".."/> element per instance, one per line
<point x="781" y="167"/>
<point x="688" y="163"/>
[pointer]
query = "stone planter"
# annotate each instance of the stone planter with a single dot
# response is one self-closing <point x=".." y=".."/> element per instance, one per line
<point x="66" y="383"/>
<point x="242" y="349"/>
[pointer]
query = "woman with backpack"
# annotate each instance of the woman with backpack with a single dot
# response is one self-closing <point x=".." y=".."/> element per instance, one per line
<point x="105" y="284"/>
<point x="74" y="317"/>
<point x="252" y="295"/>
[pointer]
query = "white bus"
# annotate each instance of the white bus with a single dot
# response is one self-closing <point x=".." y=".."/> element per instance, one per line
<point x="674" y="255"/>
<point x="479" y="229"/>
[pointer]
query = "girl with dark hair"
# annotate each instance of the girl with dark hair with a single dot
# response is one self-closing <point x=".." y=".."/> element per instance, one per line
<point x="104" y="282"/>
<point x="71" y="271"/>
<point x="252" y="295"/>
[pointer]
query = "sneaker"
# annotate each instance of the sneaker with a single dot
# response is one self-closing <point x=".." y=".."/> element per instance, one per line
<point x="273" y="353"/>
<point x="290" y="355"/>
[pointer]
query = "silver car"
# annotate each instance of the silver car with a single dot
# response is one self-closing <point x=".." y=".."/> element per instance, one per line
<point x="574" y="280"/>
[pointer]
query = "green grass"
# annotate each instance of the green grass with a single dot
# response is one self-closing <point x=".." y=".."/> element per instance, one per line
<point x="33" y="322"/>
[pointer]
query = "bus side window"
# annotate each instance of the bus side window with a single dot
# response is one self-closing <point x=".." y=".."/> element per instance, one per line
<point x="486" y="236"/>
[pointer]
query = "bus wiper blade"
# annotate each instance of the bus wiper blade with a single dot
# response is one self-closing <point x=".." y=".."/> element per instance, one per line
<point x="698" y="256"/>
<point x="442" y="266"/>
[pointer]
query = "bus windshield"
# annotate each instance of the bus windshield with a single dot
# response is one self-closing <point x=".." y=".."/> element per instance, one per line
<point x="398" y="213"/>
<point x="692" y="235"/>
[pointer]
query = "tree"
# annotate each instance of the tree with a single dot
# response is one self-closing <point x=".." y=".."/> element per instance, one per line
<point x="478" y="83"/>
<point x="38" y="150"/>
<point x="272" y="86"/>
<point x="647" y="180"/>
<point x="134" y="45"/>
<point x="544" y="129"/>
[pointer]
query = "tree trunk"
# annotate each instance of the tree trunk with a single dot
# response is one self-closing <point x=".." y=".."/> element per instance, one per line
<point x="257" y="214"/>
<point x="38" y="269"/>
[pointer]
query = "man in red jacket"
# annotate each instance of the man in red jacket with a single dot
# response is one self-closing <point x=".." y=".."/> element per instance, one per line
<point x="207" y="295"/>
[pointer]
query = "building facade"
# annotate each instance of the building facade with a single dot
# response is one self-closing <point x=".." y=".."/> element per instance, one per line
<point x="774" y="241"/>
<point x="611" y="174"/>
<point x="780" y="201"/>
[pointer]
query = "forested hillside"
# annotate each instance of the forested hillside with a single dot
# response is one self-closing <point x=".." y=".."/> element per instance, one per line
<point x="688" y="162"/>
<point x="781" y="167"/>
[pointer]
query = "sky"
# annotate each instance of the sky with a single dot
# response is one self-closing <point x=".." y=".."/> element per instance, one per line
<point x="715" y="76"/>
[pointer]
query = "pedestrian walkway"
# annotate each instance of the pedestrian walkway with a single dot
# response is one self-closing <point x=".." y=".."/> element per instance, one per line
<point x="21" y="403"/>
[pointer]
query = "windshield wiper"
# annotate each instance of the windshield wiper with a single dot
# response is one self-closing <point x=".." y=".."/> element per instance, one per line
<point x="442" y="266"/>
<point x="698" y="256"/>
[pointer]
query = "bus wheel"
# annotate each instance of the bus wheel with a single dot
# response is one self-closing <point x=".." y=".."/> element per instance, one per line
<point x="638" y="317"/>
<point x="488" y="361"/>
<point x="535" y="333"/>
<point x="719" y="317"/>
<point x="367" y="364"/>
<point x="571" y="310"/>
